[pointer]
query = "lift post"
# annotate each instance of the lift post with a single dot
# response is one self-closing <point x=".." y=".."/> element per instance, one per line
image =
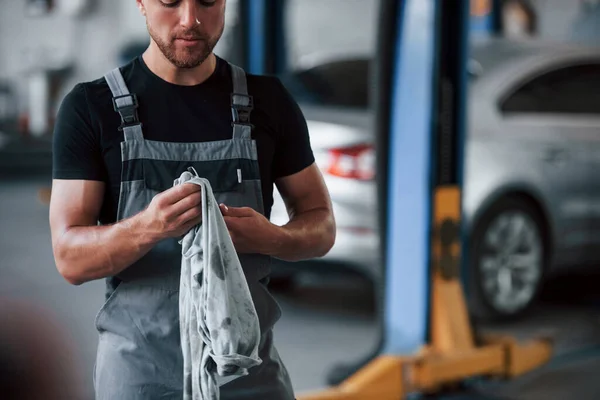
<point x="425" y="310"/>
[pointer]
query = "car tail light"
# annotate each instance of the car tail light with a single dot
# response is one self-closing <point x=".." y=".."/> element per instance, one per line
<point x="355" y="162"/>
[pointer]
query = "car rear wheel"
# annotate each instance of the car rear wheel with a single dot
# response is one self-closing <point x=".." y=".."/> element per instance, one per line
<point x="508" y="257"/>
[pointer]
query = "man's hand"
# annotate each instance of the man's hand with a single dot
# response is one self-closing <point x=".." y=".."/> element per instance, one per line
<point x="172" y="213"/>
<point x="250" y="231"/>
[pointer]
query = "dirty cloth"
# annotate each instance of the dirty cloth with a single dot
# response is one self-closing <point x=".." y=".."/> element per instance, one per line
<point x="219" y="326"/>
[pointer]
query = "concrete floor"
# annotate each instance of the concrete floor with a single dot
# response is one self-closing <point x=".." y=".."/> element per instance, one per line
<point x="325" y="321"/>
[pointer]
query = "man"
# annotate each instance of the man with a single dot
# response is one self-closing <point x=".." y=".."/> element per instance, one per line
<point x="122" y="140"/>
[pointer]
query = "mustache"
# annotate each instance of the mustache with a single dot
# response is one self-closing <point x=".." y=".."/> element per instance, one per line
<point x="190" y="35"/>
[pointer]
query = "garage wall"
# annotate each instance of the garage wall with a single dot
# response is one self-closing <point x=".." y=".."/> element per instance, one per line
<point x="91" y="43"/>
<point x="318" y="28"/>
<point x="556" y="18"/>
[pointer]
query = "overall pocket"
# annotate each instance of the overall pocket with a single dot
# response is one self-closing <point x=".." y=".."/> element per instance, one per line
<point x="105" y="306"/>
<point x="223" y="175"/>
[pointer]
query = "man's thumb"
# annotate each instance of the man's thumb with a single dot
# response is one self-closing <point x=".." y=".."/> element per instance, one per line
<point x="236" y="211"/>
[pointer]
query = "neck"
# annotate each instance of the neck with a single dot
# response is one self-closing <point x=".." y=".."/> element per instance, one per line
<point x="163" y="68"/>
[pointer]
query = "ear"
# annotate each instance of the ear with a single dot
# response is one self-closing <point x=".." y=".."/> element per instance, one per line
<point x="141" y="6"/>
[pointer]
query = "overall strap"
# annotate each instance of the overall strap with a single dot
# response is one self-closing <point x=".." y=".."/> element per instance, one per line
<point x="241" y="104"/>
<point x="126" y="105"/>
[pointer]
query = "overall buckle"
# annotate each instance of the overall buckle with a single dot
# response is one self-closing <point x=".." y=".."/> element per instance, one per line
<point x="128" y="112"/>
<point x="240" y="112"/>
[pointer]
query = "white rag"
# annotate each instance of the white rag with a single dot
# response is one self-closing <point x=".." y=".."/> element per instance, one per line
<point x="220" y="331"/>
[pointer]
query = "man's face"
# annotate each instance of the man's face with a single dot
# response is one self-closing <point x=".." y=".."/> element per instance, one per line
<point x="186" y="31"/>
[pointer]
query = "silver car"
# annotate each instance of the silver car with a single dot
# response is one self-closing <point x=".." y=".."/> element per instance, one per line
<point x="531" y="198"/>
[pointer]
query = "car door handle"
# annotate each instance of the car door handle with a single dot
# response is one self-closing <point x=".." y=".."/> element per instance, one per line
<point x="555" y="156"/>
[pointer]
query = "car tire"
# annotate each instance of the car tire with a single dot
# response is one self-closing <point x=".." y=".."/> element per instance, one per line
<point x="508" y="257"/>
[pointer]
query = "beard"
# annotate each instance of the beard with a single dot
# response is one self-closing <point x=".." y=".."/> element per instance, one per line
<point x="186" y="56"/>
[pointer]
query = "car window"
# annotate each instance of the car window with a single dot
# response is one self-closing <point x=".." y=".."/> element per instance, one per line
<point x="341" y="83"/>
<point x="568" y="90"/>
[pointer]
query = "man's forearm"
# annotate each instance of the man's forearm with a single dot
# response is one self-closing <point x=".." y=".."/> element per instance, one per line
<point x="86" y="253"/>
<point x="308" y="235"/>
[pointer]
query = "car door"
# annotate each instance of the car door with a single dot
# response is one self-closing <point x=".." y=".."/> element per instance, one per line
<point x="554" y="112"/>
<point x="581" y="116"/>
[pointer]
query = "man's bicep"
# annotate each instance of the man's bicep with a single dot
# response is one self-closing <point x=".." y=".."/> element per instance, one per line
<point x="304" y="191"/>
<point x="74" y="203"/>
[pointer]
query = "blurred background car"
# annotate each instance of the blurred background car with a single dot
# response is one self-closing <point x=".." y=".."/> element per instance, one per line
<point x="531" y="198"/>
<point x="334" y="96"/>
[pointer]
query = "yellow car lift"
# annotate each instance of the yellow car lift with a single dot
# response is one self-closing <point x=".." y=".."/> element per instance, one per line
<point x="453" y="354"/>
<point x="429" y="38"/>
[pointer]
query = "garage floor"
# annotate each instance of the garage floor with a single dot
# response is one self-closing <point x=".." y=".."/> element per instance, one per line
<point x="325" y="321"/>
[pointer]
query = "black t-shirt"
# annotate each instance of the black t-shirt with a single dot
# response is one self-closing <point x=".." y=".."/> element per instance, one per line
<point x="87" y="139"/>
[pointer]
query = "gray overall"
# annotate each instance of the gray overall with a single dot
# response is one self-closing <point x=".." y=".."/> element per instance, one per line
<point x="139" y="350"/>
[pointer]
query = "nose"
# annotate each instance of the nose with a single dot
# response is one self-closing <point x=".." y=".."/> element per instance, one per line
<point x="189" y="14"/>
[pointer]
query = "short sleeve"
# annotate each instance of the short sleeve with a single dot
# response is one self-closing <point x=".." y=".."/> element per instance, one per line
<point x="77" y="150"/>
<point x="293" y="152"/>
